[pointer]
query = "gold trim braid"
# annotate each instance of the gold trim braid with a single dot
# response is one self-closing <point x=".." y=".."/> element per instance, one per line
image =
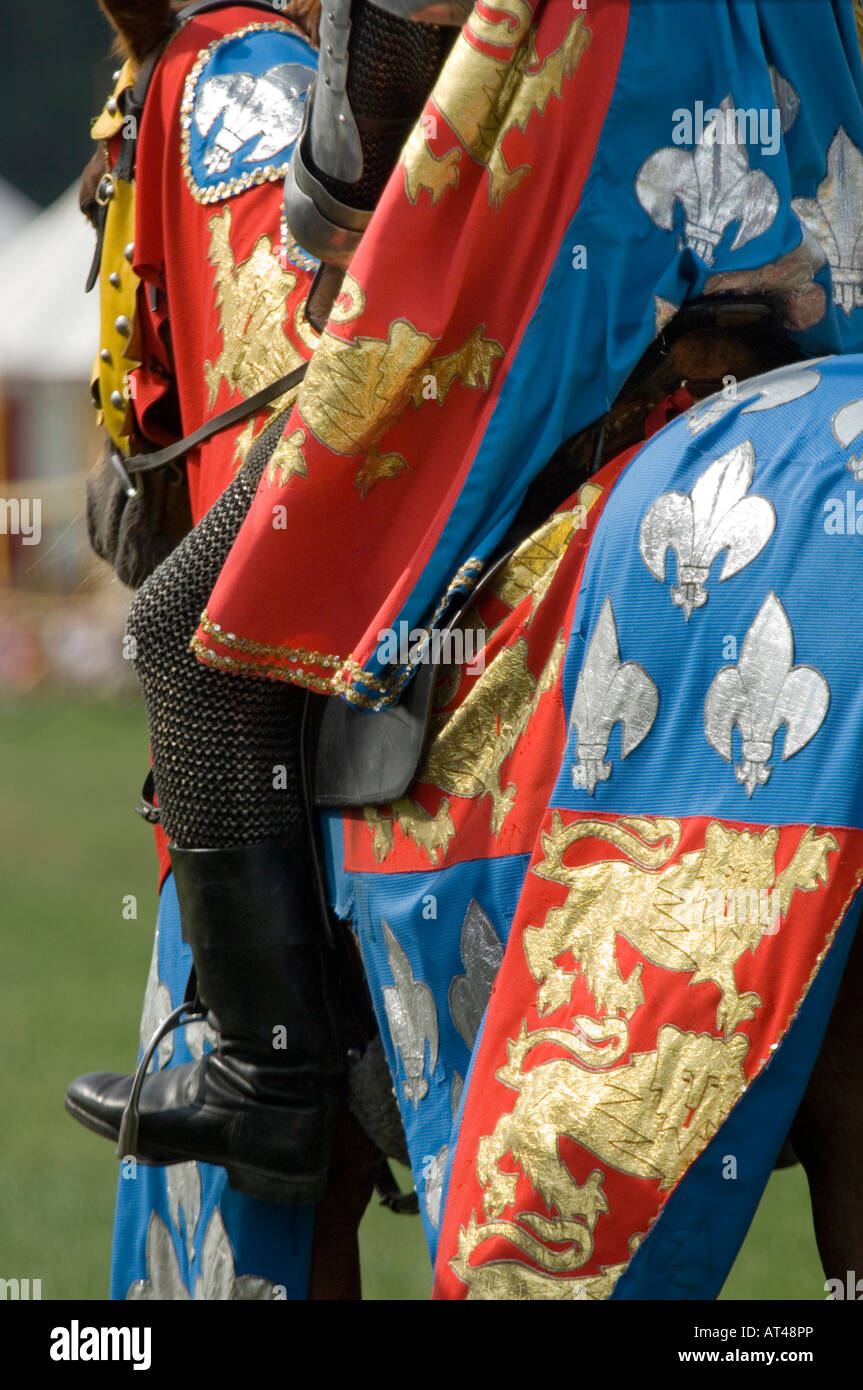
<point x="348" y="673"/>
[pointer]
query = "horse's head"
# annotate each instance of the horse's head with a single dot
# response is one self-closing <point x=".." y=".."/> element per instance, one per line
<point x="94" y="172"/>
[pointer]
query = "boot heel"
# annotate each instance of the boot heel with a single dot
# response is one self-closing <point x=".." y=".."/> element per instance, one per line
<point x="274" y="1187"/>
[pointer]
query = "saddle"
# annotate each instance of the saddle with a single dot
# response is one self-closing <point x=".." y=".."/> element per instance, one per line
<point x="366" y="759"/>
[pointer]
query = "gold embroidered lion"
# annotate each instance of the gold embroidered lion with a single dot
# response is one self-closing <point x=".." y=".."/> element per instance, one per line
<point x="534" y="564"/>
<point x="250" y="300"/>
<point x="510" y="1280"/>
<point x="483" y="98"/>
<point x="650" y="1118"/>
<point x="356" y="390"/>
<point x="429" y="833"/>
<point x="670" y="917"/>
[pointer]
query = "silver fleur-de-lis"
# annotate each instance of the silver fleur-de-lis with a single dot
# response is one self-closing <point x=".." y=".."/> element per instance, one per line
<point x="164" y="1282"/>
<point x="834" y="218"/>
<point x="761" y="693"/>
<point x="198" y="1034"/>
<point x="218" y="1281"/>
<point x="847" y="425"/>
<point x="157" y="1005"/>
<point x="436" y="1169"/>
<point x="609" y="693"/>
<point x="764" y="392"/>
<point x="434" y="1176"/>
<point x="713" y="184"/>
<point x="456" y="1093"/>
<point x="716" y="515"/>
<point x="183" y="1181"/>
<point x="482" y="953"/>
<point x="412" y="1016"/>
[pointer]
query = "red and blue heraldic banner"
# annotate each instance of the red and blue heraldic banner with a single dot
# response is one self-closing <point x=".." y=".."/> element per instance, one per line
<point x="621" y="1035"/>
<point x="558" y="202"/>
<point x="641" y="818"/>
<point x="633" y="849"/>
<point x="698" y="853"/>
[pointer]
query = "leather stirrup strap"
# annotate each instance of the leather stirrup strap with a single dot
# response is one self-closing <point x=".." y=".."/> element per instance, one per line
<point x="145" y="463"/>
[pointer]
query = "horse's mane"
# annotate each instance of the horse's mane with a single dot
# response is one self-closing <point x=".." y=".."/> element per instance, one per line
<point x="140" y="24"/>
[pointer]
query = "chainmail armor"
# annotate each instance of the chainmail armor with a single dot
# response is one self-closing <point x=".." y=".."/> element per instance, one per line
<point x="215" y="739"/>
<point x="392" y="68"/>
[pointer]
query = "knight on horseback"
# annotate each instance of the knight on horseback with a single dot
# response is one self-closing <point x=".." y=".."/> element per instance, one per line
<point x="655" y="276"/>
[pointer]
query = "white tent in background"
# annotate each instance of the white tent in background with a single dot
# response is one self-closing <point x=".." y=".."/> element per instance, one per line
<point x="48" y="327"/>
<point x="60" y="616"/>
<point x="16" y="210"/>
<point x="49" y="333"/>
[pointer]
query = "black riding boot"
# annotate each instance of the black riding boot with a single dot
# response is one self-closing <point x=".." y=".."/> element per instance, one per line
<point x="263" y="1103"/>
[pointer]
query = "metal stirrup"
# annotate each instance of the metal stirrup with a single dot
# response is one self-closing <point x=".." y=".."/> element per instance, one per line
<point x="127" y="1140"/>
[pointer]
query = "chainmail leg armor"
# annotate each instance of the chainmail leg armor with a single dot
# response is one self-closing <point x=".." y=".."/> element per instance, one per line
<point x="215" y="739"/>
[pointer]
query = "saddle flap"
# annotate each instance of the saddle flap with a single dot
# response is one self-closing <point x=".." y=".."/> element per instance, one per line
<point x="365" y="759"/>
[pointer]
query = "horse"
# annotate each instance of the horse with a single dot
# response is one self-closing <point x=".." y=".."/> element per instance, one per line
<point x="531" y="715"/>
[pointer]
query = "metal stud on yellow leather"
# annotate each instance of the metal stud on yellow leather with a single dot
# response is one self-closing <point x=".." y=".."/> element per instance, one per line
<point x="118" y="283"/>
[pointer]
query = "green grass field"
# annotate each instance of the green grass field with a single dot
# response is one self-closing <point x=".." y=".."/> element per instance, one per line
<point x="71" y="983"/>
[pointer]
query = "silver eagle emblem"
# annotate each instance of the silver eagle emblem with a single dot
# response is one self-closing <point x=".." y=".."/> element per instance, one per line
<point x="609" y="693"/>
<point x="482" y="953"/>
<point x="412" y="1016"/>
<point x="716" y="515"/>
<point x="269" y="107"/>
<point x="847" y="425"/>
<point x="714" y="185"/>
<point x="835" y="218"/>
<point x="761" y="693"/>
<point x="764" y="392"/>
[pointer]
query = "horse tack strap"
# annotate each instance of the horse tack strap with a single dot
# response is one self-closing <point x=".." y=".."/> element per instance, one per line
<point x="172" y="453"/>
<point x="203" y="6"/>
